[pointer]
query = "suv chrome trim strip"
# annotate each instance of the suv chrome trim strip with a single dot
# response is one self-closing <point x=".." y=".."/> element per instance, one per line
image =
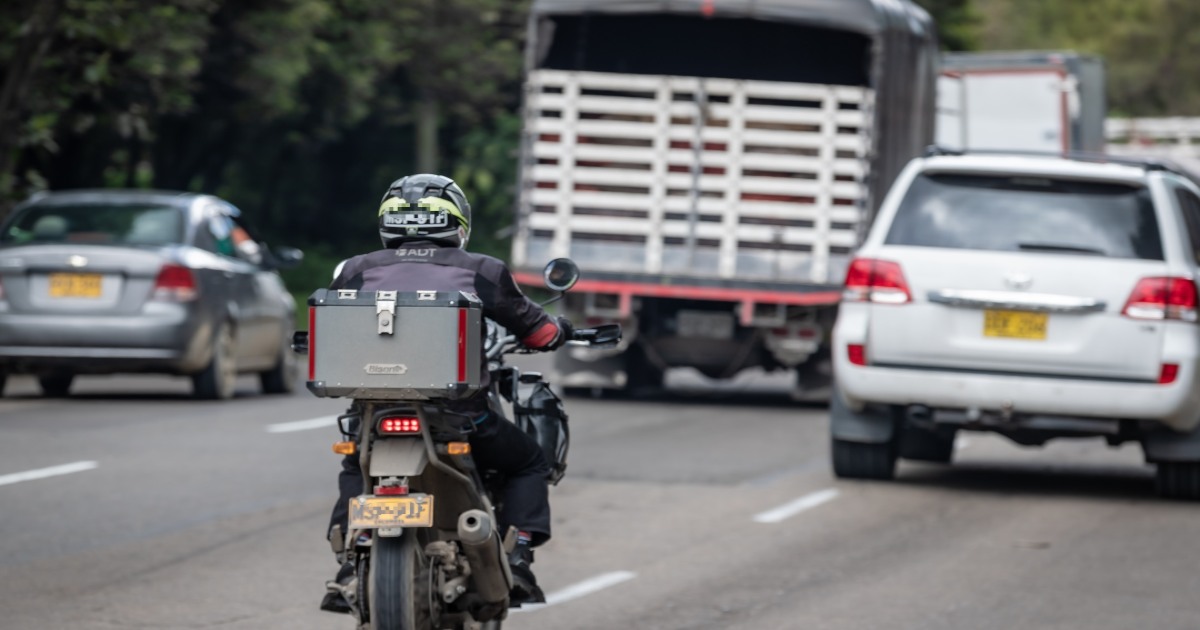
<point x="1045" y="302"/>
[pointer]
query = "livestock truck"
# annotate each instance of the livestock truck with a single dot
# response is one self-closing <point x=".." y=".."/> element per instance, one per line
<point x="711" y="166"/>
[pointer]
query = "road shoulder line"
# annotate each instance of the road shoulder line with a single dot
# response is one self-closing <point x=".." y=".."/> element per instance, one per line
<point x="42" y="473"/>
<point x="793" y="508"/>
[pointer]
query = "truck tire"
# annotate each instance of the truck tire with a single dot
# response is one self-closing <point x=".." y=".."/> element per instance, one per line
<point x="1178" y="480"/>
<point x="641" y="372"/>
<point x="927" y="446"/>
<point x="56" y="385"/>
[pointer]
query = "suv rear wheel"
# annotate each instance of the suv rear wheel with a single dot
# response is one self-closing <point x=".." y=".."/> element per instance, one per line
<point x="861" y="460"/>
<point x="1178" y="480"/>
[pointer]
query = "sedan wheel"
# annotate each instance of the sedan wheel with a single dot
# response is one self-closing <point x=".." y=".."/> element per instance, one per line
<point x="280" y="379"/>
<point x="56" y="385"/>
<point x="217" y="380"/>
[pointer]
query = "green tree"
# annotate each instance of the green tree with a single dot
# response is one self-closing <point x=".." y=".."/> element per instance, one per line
<point x="958" y="23"/>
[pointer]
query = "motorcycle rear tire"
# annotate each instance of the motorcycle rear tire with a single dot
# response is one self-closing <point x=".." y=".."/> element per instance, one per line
<point x="396" y="598"/>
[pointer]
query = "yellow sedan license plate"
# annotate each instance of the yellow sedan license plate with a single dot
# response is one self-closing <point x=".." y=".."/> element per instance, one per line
<point x="74" y="285"/>
<point x="370" y="512"/>
<point x="1015" y="324"/>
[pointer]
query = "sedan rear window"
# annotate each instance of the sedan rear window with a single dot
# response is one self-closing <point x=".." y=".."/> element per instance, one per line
<point x="1028" y="214"/>
<point x="124" y="224"/>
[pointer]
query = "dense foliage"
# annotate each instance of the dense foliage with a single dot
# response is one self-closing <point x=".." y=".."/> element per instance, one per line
<point x="301" y="111"/>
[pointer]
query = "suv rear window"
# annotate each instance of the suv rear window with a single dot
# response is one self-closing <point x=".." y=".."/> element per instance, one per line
<point x="1028" y="213"/>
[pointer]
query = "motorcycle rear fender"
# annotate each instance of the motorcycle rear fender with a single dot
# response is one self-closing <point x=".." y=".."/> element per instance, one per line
<point x="398" y="457"/>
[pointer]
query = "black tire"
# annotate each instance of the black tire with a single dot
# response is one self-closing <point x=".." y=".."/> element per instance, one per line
<point x="396" y="593"/>
<point x="641" y="373"/>
<point x="859" y="460"/>
<point x="1178" y="480"/>
<point x="218" y="379"/>
<point x="280" y="379"/>
<point x="56" y="385"/>
<point x="927" y="446"/>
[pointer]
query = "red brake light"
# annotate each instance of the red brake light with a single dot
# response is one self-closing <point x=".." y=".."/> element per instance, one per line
<point x="878" y="281"/>
<point x="857" y="353"/>
<point x="1162" y="298"/>
<point x="175" y="283"/>
<point x="312" y="343"/>
<point x="392" y="491"/>
<point x="400" y="426"/>
<point x="1169" y="373"/>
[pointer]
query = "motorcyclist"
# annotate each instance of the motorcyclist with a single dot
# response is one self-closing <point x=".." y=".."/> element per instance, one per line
<point x="424" y="222"/>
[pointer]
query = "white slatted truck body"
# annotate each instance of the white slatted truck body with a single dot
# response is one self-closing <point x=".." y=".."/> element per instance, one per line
<point x="711" y="165"/>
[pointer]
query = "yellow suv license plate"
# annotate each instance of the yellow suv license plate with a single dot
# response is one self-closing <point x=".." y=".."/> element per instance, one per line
<point x="1015" y="324"/>
<point x="370" y="512"/>
<point x="74" y="285"/>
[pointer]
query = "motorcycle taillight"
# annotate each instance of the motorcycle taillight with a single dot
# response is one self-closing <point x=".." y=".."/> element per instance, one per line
<point x="400" y="426"/>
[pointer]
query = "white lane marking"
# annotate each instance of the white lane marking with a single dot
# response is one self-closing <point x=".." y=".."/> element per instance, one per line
<point x="581" y="589"/>
<point x="42" y="473"/>
<point x="303" y="425"/>
<point x="793" y="508"/>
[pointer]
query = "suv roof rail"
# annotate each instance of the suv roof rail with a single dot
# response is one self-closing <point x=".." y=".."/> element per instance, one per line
<point x="1147" y="163"/>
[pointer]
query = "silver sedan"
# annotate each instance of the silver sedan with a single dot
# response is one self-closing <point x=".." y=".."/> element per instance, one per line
<point x="113" y="281"/>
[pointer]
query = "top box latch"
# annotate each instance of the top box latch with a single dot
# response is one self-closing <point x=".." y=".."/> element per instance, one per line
<point x="385" y="309"/>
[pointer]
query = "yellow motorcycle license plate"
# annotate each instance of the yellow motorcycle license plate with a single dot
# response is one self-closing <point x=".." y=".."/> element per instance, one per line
<point x="75" y="285"/>
<point x="1015" y="324"/>
<point x="371" y="512"/>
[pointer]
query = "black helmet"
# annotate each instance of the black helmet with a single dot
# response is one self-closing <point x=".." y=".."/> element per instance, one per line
<point x="424" y="207"/>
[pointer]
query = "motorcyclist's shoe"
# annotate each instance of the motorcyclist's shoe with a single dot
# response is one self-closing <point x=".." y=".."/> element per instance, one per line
<point x="525" y="589"/>
<point x="340" y="590"/>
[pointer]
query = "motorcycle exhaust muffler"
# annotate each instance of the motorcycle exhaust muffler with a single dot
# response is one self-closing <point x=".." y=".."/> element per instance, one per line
<point x="481" y="545"/>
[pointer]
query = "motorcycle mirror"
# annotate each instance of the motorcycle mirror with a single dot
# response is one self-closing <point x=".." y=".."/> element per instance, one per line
<point x="561" y="274"/>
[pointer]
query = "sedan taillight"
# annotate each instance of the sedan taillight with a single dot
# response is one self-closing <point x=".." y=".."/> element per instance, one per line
<point x="175" y="283"/>
<point x="1163" y="298"/>
<point x="878" y="281"/>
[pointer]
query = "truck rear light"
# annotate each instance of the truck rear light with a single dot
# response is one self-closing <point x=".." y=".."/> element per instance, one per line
<point x="857" y="353"/>
<point x="1162" y="298"/>
<point x="1169" y="373"/>
<point x="175" y="283"/>
<point x="400" y="426"/>
<point x="878" y="281"/>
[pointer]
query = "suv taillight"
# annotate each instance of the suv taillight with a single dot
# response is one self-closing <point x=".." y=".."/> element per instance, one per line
<point x="175" y="283"/>
<point x="1162" y="298"/>
<point x="878" y="281"/>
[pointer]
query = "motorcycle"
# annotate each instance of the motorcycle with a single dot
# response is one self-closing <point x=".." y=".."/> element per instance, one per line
<point x="422" y="564"/>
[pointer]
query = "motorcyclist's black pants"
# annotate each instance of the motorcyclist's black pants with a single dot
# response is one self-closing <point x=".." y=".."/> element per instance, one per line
<point x="499" y="445"/>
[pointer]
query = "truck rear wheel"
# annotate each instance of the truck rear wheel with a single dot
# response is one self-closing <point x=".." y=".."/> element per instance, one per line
<point x="859" y="460"/>
<point x="641" y="373"/>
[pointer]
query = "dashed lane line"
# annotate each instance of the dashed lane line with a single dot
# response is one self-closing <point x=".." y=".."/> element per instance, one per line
<point x="581" y="589"/>
<point x="42" y="473"/>
<point x="793" y="508"/>
<point x="303" y="425"/>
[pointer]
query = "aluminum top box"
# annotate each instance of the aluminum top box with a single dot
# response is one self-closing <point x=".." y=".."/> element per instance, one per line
<point x="389" y="345"/>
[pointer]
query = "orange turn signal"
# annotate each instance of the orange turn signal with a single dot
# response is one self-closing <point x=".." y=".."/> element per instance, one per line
<point x="344" y="448"/>
<point x="458" y="448"/>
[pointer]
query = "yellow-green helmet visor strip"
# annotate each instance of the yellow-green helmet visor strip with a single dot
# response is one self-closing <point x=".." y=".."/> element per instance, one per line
<point x="429" y="204"/>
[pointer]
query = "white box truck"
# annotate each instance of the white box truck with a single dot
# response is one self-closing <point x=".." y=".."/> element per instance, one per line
<point x="711" y="165"/>
<point x="1051" y="102"/>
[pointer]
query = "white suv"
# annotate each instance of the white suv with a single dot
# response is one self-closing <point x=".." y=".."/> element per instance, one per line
<point x="1035" y="297"/>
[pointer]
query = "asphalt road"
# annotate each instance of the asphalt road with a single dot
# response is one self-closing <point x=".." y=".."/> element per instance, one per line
<point x="130" y="506"/>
